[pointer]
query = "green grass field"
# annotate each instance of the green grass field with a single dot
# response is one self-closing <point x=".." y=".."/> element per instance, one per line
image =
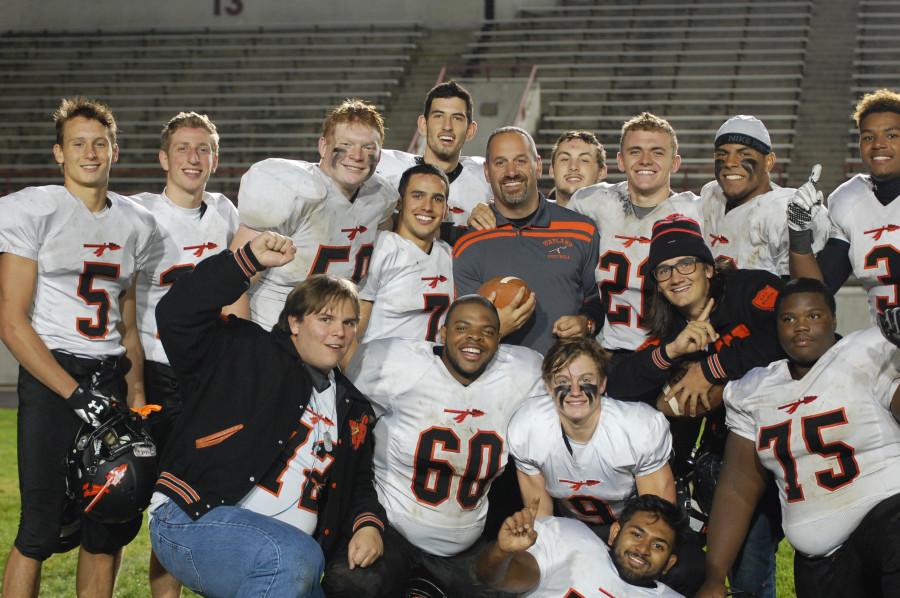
<point x="59" y="571"/>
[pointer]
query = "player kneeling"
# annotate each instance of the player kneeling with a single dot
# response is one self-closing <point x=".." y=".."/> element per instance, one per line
<point x="555" y="556"/>
<point x="824" y="422"/>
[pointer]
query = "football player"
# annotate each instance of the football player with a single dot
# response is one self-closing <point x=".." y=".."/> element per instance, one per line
<point x="577" y="160"/>
<point x="552" y="557"/>
<point x="68" y="258"/>
<point x="410" y="279"/>
<point x="743" y="209"/>
<point x="824" y="423"/>
<point x="193" y="224"/>
<point x="625" y="213"/>
<point x="440" y="441"/>
<point x="601" y="453"/>
<point x="332" y="210"/>
<point x="865" y="232"/>
<point x="446" y="124"/>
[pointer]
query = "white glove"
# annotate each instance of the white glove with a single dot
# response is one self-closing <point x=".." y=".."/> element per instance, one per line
<point x="805" y="203"/>
<point x="889" y="324"/>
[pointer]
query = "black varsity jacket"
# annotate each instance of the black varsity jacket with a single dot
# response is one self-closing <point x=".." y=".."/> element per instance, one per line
<point x="244" y="391"/>
<point x="744" y="317"/>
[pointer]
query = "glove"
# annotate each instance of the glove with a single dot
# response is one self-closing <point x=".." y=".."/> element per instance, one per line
<point x="805" y="203"/>
<point x="889" y="324"/>
<point x="92" y="406"/>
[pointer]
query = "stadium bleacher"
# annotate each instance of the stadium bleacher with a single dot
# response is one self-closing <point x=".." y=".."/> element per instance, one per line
<point x="269" y="91"/>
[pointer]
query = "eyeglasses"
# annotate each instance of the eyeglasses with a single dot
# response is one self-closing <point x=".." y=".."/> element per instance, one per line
<point x="686" y="266"/>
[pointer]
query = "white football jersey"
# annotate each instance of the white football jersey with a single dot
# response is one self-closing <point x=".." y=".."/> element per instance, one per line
<point x="754" y="235"/>
<point x="331" y="233"/>
<point x="624" y="249"/>
<point x="290" y="490"/>
<point x="829" y="438"/>
<point x="873" y="232"/>
<point x="85" y="262"/>
<point x="468" y="185"/>
<point x="185" y="238"/>
<point x="410" y="289"/>
<point x="594" y="482"/>
<point x="575" y="563"/>
<point x="439" y="444"/>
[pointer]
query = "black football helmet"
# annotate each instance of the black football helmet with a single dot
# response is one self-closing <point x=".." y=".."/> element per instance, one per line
<point x="112" y="469"/>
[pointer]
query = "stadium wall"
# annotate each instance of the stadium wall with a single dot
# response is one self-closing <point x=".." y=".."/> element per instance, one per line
<point x="75" y="15"/>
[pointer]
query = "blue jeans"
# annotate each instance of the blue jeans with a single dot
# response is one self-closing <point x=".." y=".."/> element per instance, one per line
<point x="232" y="551"/>
<point x="754" y="569"/>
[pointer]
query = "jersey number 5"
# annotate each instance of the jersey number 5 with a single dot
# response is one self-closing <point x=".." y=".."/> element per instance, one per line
<point x="95" y="327"/>
<point x="341" y="253"/>
<point x="433" y="476"/>
<point x="778" y="438"/>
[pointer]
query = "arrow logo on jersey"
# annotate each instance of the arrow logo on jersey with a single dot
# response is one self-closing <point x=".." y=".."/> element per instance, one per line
<point x="352" y="232"/>
<point x="316" y="418"/>
<point x="718" y="240"/>
<point x="100" y="248"/>
<point x="792" y="407"/>
<point x="461" y="415"/>
<point x="877" y="232"/>
<point x="629" y="241"/>
<point x="199" y="249"/>
<point x="434" y="280"/>
<point x="576" y="486"/>
<point x="113" y="477"/>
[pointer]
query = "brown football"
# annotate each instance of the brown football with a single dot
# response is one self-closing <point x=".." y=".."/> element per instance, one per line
<point x="506" y="288"/>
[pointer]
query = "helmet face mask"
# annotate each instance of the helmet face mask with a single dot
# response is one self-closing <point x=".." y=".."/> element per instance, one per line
<point x="113" y="469"/>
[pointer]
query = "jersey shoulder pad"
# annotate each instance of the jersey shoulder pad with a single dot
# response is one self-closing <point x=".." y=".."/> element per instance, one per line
<point x="274" y="189"/>
<point x="472" y="162"/>
<point x="393" y="162"/>
<point x="685" y="198"/>
<point x="133" y="206"/>
<point x="35" y="201"/>
<point x="147" y="199"/>
<point x="843" y="199"/>
<point x="711" y="191"/>
<point x="523" y="359"/>
<point x="757" y="379"/>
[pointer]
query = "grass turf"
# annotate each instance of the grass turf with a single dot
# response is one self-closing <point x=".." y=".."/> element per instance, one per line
<point x="59" y="571"/>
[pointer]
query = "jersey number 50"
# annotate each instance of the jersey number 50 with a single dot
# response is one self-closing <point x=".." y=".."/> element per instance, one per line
<point x="433" y="476"/>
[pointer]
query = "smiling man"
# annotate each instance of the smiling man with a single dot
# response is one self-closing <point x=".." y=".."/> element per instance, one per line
<point x="270" y="429"/>
<point x="865" y="236"/>
<point x="824" y="423"/>
<point x="552" y="557"/>
<point x="577" y="160"/>
<point x="332" y="210"/>
<point x="743" y="209"/>
<point x="193" y="224"/>
<point x="410" y="281"/>
<point x="447" y="124"/>
<point x="68" y="258"/>
<point x="549" y="247"/>
<point x="625" y="213"/>
<point x="440" y="441"/>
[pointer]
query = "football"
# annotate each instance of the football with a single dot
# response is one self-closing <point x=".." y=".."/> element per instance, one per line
<point x="506" y="288"/>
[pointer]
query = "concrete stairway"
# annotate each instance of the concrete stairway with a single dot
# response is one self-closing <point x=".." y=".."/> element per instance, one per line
<point x="823" y="117"/>
<point x="436" y="49"/>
